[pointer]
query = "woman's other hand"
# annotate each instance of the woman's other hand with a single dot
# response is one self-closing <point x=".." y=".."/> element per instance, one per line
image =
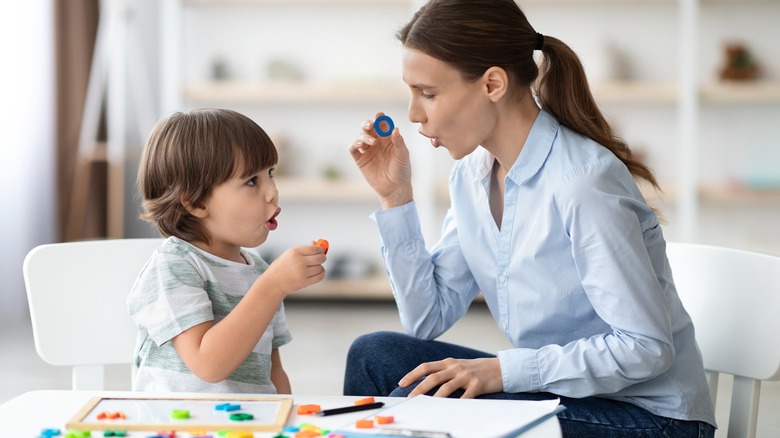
<point x="384" y="163"/>
<point x="474" y="376"/>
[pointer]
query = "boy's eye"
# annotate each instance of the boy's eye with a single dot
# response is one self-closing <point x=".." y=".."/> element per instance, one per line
<point x="271" y="172"/>
<point x="252" y="181"/>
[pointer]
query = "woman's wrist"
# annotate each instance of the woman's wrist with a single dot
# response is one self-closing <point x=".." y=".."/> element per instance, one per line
<point x="399" y="197"/>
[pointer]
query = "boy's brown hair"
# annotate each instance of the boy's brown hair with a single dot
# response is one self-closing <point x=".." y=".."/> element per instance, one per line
<point x="187" y="155"/>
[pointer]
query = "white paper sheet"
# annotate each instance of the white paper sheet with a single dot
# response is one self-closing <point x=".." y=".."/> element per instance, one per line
<point x="461" y="418"/>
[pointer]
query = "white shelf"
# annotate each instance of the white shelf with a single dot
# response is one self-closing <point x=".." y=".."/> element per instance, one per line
<point x="664" y="110"/>
<point x="353" y="92"/>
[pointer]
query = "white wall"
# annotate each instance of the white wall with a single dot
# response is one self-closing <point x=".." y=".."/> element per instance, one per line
<point x="27" y="146"/>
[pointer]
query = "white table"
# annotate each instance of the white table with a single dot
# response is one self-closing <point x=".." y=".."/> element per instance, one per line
<point x="28" y="414"/>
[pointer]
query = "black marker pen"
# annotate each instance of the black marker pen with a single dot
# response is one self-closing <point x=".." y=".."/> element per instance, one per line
<point x="348" y="409"/>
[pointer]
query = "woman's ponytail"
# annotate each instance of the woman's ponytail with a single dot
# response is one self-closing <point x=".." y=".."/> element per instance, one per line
<point x="562" y="90"/>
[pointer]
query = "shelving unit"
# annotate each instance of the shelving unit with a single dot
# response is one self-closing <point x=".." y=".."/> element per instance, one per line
<point x="671" y="105"/>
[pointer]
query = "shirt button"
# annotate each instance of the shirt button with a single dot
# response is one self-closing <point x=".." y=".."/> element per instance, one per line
<point x="501" y="279"/>
<point x="503" y="326"/>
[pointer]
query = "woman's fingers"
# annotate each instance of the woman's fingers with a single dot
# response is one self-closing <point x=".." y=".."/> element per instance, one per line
<point x="361" y="144"/>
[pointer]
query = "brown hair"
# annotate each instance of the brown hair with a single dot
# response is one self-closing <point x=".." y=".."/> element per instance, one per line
<point x="474" y="35"/>
<point x="187" y="155"/>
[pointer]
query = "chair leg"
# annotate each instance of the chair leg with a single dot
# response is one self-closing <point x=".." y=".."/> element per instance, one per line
<point x="744" y="408"/>
<point x="88" y="377"/>
<point x="713" y="378"/>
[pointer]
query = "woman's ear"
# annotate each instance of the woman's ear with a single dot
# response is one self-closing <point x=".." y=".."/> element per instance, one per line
<point x="496" y="82"/>
<point x="199" y="212"/>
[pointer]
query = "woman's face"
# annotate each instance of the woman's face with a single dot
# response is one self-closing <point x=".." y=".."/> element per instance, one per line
<point x="451" y="111"/>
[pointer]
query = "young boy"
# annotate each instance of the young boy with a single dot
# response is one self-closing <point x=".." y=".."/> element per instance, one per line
<point x="208" y="308"/>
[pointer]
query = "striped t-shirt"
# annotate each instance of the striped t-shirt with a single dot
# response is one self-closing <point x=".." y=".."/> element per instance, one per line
<point x="180" y="287"/>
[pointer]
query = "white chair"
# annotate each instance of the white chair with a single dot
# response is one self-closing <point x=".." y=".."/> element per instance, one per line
<point x="77" y="294"/>
<point x="733" y="297"/>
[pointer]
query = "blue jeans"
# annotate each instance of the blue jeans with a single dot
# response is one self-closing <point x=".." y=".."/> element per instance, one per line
<point x="377" y="361"/>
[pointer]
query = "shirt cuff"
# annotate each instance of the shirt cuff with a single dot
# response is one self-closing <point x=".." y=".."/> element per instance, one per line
<point x="398" y="224"/>
<point x="519" y="370"/>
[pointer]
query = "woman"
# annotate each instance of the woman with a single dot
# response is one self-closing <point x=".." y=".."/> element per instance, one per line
<point x="546" y="220"/>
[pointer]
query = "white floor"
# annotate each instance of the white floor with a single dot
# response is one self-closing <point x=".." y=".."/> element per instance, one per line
<point x="322" y="333"/>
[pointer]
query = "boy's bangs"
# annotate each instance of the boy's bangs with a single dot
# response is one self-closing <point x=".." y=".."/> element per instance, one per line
<point x="252" y="150"/>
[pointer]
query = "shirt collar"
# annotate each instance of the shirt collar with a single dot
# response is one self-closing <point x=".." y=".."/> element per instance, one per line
<point x="535" y="151"/>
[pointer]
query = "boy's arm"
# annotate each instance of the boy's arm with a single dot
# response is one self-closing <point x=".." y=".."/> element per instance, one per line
<point x="278" y="375"/>
<point x="213" y="351"/>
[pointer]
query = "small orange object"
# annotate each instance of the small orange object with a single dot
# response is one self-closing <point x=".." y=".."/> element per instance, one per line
<point x="307" y="434"/>
<point x="384" y="419"/>
<point x="364" y="424"/>
<point x="322" y="243"/>
<point x="110" y="415"/>
<point x="308" y="409"/>
<point x="364" y="401"/>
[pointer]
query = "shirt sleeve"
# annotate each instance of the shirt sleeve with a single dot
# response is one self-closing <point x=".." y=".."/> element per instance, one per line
<point x="432" y="289"/>
<point x="169" y="298"/>
<point x="608" y="223"/>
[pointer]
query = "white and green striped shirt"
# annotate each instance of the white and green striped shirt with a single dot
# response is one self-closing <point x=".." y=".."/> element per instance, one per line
<point x="180" y="287"/>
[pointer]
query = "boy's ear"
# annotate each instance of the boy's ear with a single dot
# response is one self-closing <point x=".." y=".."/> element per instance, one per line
<point x="497" y="83"/>
<point x="199" y="212"/>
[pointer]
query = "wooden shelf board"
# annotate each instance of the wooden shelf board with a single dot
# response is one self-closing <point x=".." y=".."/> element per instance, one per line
<point x="372" y="288"/>
<point x="294" y="92"/>
<point x="748" y="92"/>
<point x="313" y="190"/>
<point x="727" y="195"/>
<point x="634" y="92"/>
<point x="713" y="194"/>
<point x="368" y="92"/>
<point x="297" y="2"/>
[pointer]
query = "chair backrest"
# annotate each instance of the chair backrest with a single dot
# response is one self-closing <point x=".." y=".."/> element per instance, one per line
<point x="733" y="297"/>
<point x="77" y="294"/>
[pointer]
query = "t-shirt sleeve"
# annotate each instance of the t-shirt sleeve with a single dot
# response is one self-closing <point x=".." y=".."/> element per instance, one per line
<point x="169" y="297"/>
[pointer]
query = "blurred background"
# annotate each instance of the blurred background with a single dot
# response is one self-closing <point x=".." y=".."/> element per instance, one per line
<point x="692" y="85"/>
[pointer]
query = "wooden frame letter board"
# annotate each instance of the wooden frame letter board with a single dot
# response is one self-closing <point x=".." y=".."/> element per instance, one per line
<point x="151" y="413"/>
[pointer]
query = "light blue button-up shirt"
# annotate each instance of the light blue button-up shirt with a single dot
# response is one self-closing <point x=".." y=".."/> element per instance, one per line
<point x="576" y="277"/>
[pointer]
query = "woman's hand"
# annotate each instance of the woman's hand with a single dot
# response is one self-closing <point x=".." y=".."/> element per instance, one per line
<point x="384" y="163"/>
<point x="474" y="376"/>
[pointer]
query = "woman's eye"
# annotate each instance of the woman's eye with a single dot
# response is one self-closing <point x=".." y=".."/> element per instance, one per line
<point x="425" y="95"/>
<point x="252" y="181"/>
<point x="271" y="172"/>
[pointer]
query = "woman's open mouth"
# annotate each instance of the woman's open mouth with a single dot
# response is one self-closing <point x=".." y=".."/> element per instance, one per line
<point x="434" y="140"/>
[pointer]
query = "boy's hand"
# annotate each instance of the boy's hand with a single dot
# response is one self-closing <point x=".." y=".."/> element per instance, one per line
<point x="297" y="268"/>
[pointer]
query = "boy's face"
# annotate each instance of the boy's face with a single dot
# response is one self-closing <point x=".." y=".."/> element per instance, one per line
<point x="240" y="212"/>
